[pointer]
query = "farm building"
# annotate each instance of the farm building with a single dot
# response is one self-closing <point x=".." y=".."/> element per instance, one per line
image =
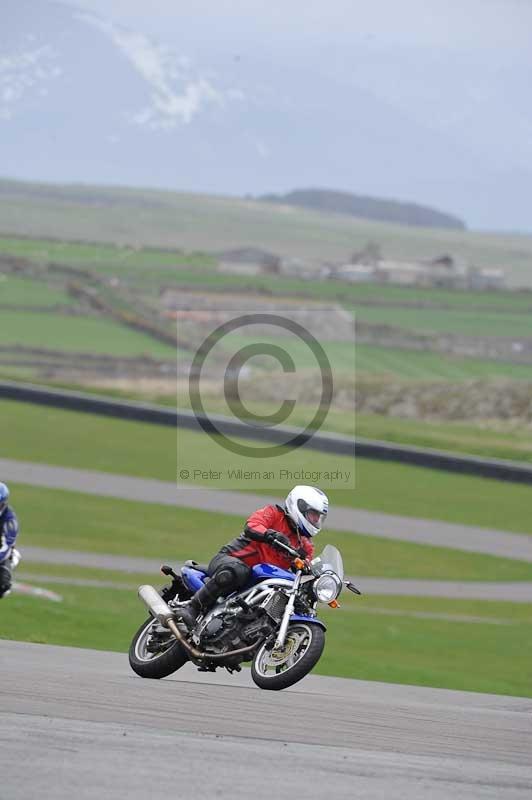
<point x="248" y="261"/>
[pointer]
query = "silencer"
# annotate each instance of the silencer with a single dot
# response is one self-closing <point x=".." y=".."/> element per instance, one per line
<point x="155" y="603"/>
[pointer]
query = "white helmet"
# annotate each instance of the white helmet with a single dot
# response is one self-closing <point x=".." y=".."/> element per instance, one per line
<point x="307" y="507"/>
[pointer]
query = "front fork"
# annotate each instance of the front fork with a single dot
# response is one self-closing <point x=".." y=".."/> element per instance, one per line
<point x="283" y="628"/>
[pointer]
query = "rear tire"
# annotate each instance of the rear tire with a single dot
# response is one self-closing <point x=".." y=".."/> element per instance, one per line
<point x="302" y="651"/>
<point x="171" y="657"/>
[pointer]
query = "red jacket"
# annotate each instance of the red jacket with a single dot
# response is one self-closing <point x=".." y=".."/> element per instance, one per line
<point x="251" y="548"/>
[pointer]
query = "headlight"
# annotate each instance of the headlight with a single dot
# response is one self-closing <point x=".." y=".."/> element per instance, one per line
<point x="327" y="588"/>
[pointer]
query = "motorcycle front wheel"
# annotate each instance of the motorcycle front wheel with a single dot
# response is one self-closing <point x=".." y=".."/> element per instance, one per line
<point x="155" y="654"/>
<point x="278" y="669"/>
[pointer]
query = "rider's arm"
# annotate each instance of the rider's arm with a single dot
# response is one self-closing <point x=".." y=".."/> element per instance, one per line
<point x="260" y="523"/>
<point x="308" y="546"/>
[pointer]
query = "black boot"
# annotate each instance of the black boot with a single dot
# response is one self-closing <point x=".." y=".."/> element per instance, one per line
<point x="202" y="601"/>
<point x="5" y="580"/>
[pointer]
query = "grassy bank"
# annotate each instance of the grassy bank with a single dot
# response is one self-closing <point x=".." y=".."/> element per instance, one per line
<point x="73" y="521"/>
<point x="491" y="655"/>
<point x="66" y="438"/>
<point x="491" y="439"/>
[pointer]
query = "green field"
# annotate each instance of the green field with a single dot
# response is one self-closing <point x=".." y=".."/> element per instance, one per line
<point x="462" y="312"/>
<point x="208" y="223"/>
<point x="30" y="292"/>
<point x="364" y="360"/>
<point x="145" y="271"/>
<point x="78" y="334"/>
<point x="425" y="365"/>
<point x="106" y="256"/>
<point x="467" y="322"/>
<point x="153" y="266"/>
<point x="68" y="438"/>
<point x="340" y="354"/>
<point x="417" y="298"/>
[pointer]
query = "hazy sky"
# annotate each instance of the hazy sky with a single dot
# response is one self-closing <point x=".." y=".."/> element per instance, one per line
<point x="420" y="100"/>
<point x="479" y="25"/>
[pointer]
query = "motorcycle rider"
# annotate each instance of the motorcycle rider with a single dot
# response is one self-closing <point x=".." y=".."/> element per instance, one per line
<point x="294" y="523"/>
<point x="8" y="533"/>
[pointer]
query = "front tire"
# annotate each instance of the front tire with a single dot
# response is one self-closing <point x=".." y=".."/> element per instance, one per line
<point x="170" y="657"/>
<point x="302" y="650"/>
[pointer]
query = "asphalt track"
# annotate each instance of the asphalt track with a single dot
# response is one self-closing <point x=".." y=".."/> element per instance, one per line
<point x="432" y="532"/>
<point x="78" y="723"/>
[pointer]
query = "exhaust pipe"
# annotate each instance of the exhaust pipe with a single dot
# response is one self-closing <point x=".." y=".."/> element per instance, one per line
<point x="155" y="604"/>
<point x="163" y="613"/>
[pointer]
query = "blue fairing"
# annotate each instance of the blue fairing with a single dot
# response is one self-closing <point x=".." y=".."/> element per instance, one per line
<point x="193" y="578"/>
<point x="260" y="572"/>
<point x="311" y="620"/>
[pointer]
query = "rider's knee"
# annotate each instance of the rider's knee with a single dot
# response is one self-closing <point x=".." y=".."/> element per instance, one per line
<point x="232" y="575"/>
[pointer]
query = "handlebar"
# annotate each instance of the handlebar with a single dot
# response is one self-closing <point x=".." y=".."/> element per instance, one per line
<point x="286" y="548"/>
<point x="294" y="553"/>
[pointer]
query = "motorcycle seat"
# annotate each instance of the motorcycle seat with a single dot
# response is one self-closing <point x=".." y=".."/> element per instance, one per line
<point x="199" y="567"/>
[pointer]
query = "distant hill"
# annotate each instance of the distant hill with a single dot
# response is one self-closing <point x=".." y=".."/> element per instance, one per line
<point x="215" y="224"/>
<point x="366" y="207"/>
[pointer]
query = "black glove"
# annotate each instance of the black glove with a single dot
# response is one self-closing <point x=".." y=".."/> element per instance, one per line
<point x="302" y="553"/>
<point x="274" y="537"/>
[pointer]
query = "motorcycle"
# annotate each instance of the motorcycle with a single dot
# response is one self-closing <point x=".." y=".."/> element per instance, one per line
<point x="272" y="622"/>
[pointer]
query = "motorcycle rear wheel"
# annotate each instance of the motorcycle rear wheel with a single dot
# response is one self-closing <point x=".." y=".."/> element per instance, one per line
<point x="302" y="650"/>
<point x="159" y="664"/>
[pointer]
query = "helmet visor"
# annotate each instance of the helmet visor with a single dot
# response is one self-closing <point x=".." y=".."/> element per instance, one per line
<point x="316" y="518"/>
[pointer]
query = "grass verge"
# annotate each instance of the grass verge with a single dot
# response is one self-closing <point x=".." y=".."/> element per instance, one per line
<point x="72" y="521"/>
<point x="400" y="648"/>
<point x="67" y="438"/>
<point x="491" y="439"/>
<point x="470" y="656"/>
